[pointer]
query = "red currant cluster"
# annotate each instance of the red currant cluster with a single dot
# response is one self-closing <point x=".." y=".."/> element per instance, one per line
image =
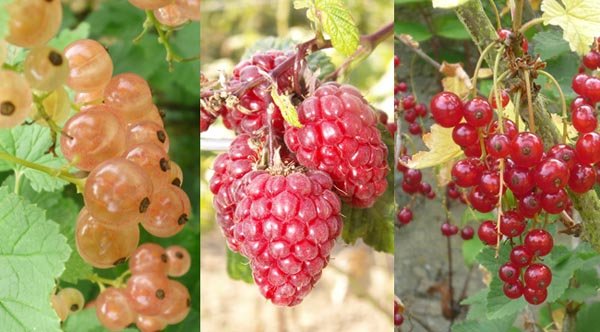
<point x="150" y="299"/>
<point x="284" y="215"/>
<point x="411" y="111"/>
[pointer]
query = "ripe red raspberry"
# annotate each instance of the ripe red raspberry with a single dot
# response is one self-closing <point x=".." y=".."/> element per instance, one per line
<point x="230" y="167"/>
<point x="287" y="225"/>
<point x="339" y="136"/>
<point x="250" y="114"/>
<point x="206" y="119"/>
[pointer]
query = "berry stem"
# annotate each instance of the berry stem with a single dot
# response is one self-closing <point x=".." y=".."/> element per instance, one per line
<point x="517" y="106"/>
<point x="413" y="46"/>
<point x="59" y="173"/>
<point x="501" y="171"/>
<point x="478" y="66"/>
<point x="563" y="102"/>
<point x="497" y="14"/>
<point x="497" y="93"/>
<point x="517" y="19"/>
<point x="530" y="24"/>
<point x="529" y="102"/>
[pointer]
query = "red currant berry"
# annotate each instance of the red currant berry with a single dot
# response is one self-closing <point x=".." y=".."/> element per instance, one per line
<point x="473" y="151"/>
<point x="582" y="178"/>
<point x="413" y="176"/>
<point x="425" y="188"/>
<point x="449" y="229"/>
<point x="592" y="89"/>
<point x="584" y="119"/>
<point x="592" y="60"/>
<point x="588" y="148"/>
<point x="489" y="183"/>
<point x="519" y="256"/>
<point x="396" y="61"/>
<point x="564" y="153"/>
<point x="408" y="102"/>
<point x="519" y="181"/>
<point x="421" y="110"/>
<point x="526" y="149"/>
<point x="537" y="276"/>
<point x="555" y="203"/>
<point x="578" y="84"/>
<point x="480" y="201"/>
<point x="467" y="233"/>
<point x="510" y="128"/>
<point x="504" y="97"/>
<point x="410" y="115"/>
<point x="487" y="233"/>
<point x="446" y="109"/>
<point x="498" y="146"/>
<point x="513" y="291"/>
<point x="551" y="175"/>
<point x="535" y="296"/>
<point x="415" y="129"/>
<point x="466" y="172"/>
<point x="452" y="191"/>
<point x="509" y="273"/>
<point x="530" y="204"/>
<point x="512" y="224"/>
<point x="579" y="101"/>
<point x="478" y="112"/>
<point x="538" y="242"/>
<point x="405" y="216"/>
<point x="464" y="135"/>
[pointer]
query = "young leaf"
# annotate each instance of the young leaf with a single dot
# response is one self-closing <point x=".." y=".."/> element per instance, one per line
<point x="339" y="25"/>
<point x="32" y="255"/>
<point x="31" y="143"/>
<point x="579" y="19"/>
<point x="67" y="36"/>
<point x="448" y="3"/>
<point x="238" y="267"/>
<point x="288" y="111"/>
<point x="442" y="149"/>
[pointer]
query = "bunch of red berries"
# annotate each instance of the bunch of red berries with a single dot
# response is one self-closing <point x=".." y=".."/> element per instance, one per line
<point x="278" y="189"/>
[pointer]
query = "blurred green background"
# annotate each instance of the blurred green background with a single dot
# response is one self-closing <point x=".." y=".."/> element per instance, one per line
<point x="115" y="23"/>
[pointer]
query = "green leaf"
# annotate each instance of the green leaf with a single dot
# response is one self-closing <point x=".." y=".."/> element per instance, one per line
<point x="477" y="304"/>
<point x="417" y="31"/>
<point x="86" y="321"/>
<point x="64" y="211"/>
<point x="375" y="225"/>
<point x="4" y="18"/>
<point x="287" y="109"/>
<point x="32" y="255"/>
<point x="496" y="325"/>
<point x="31" y="143"/>
<point x="238" y="267"/>
<point x="471" y="249"/>
<point x="470" y="215"/>
<point x="448" y="26"/>
<point x="549" y="44"/>
<point x="67" y="36"/>
<point x="338" y="23"/>
<point x="588" y="318"/>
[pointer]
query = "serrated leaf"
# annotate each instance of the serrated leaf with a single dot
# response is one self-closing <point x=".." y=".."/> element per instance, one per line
<point x="63" y="211"/>
<point x="86" y="321"/>
<point x="338" y="23"/>
<point x="31" y="143"/>
<point x="238" y="267"/>
<point x="287" y="109"/>
<point x="496" y="325"/>
<point x="579" y="19"/>
<point x="442" y="149"/>
<point x="32" y="255"/>
<point x="471" y="249"/>
<point x="448" y="3"/>
<point x="549" y="44"/>
<point x="67" y="36"/>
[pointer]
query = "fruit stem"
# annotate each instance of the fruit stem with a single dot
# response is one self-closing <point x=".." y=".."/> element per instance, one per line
<point x="495" y="9"/>
<point x="517" y="19"/>
<point x="478" y="66"/>
<point x="102" y="282"/>
<point x="563" y="101"/>
<point x="531" y="23"/>
<point x="413" y="46"/>
<point x="59" y="173"/>
<point x="501" y="171"/>
<point x="529" y="102"/>
<point x="517" y="106"/>
<point x="497" y="94"/>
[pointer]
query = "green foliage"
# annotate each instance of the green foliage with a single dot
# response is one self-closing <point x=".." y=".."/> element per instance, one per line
<point x="588" y="318"/>
<point x="67" y="36"/>
<point x="470" y="250"/>
<point x="238" y="267"/>
<point x="86" y="321"/>
<point x="549" y="44"/>
<point x="4" y="18"/>
<point x="418" y="31"/>
<point x="32" y="255"/>
<point x="448" y="26"/>
<point x="31" y="143"/>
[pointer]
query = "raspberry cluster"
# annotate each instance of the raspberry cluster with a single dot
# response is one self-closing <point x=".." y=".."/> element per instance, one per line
<point x="278" y="187"/>
<point x="150" y="299"/>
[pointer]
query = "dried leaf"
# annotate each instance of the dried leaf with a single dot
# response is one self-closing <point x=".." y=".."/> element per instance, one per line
<point x="442" y="149"/>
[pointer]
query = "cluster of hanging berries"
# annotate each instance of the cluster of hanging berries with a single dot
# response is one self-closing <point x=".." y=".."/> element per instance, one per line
<point x="279" y="187"/>
<point x="398" y="312"/>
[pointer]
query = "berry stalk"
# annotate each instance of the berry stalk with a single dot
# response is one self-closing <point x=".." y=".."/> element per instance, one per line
<point x="59" y="173"/>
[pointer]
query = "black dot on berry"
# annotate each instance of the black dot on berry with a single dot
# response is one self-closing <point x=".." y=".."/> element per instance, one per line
<point x="55" y="58"/>
<point x="526" y="150"/>
<point x="478" y="115"/>
<point x="164" y="258"/>
<point x="176" y="182"/>
<point x="7" y="108"/>
<point x="74" y="307"/>
<point x="160" y="294"/>
<point x="179" y="255"/>
<point x="144" y="204"/>
<point x="182" y="219"/>
<point x="120" y="261"/>
<point x="162" y="137"/>
<point x="164" y="164"/>
<point x="188" y="302"/>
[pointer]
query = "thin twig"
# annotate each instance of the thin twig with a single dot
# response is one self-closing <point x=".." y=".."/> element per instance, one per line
<point x="406" y="40"/>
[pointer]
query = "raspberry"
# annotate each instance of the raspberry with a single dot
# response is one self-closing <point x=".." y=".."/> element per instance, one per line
<point x="339" y="136"/>
<point x="287" y="225"/>
<point x="250" y="114"/>
<point x="206" y="119"/>
<point x="230" y="167"/>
